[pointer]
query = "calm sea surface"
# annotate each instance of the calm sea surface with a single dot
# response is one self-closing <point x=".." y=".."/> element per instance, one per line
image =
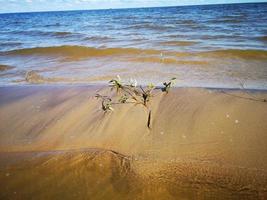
<point x="203" y="46"/>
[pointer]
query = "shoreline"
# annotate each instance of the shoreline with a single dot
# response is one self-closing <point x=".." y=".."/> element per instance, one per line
<point x="106" y="85"/>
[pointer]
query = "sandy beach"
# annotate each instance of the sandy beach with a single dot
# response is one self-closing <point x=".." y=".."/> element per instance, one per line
<point x="64" y="135"/>
<point x="55" y="142"/>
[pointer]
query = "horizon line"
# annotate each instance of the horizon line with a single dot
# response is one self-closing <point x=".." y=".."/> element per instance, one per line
<point x="125" y="8"/>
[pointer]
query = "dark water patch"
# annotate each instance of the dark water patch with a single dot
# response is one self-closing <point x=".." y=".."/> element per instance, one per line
<point x="263" y="38"/>
<point x="5" y="67"/>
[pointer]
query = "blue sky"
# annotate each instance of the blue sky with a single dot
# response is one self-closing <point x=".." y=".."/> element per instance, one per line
<point x="45" y="5"/>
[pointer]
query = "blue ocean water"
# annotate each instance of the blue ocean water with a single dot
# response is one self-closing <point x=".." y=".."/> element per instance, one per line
<point x="209" y="46"/>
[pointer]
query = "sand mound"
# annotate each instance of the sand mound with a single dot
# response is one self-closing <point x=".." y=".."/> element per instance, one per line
<point x="105" y="174"/>
<point x="64" y="174"/>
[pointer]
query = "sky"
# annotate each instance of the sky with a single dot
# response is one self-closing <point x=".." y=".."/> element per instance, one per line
<point x="7" y="6"/>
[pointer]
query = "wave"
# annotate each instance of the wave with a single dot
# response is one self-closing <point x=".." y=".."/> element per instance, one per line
<point x="53" y="25"/>
<point x="178" y="43"/>
<point x="187" y="22"/>
<point x="43" y="33"/>
<point x="98" y="38"/>
<point x="7" y="44"/>
<point x="221" y="36"/>
<point x="225" y="20"/>
<point x="63" y="33"/>
<point x="236" y="53"/>
<point x="81" y="51"/>
<point x="149" y="26"/>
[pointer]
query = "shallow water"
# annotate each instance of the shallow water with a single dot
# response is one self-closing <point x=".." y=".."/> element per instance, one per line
<point x="210" y="46"/>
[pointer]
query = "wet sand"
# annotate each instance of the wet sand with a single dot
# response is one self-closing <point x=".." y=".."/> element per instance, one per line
<point x="55" y="143"/>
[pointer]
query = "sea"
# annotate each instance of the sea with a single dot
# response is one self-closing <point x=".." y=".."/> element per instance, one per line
<point x="214" y="46"/>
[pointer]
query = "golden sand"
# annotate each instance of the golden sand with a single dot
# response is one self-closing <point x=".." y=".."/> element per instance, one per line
<point x="56" y="143"/>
